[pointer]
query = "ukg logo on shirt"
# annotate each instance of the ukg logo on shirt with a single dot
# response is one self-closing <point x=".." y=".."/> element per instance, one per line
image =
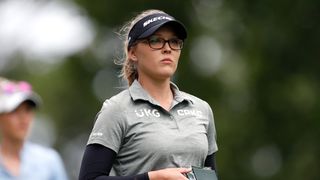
<point x="147" y="112"/>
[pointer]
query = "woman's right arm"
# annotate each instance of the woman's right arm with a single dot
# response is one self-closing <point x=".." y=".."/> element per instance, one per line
<point x="97" y="163"/>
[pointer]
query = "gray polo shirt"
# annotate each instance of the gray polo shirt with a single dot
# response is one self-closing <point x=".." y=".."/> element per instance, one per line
<point x="147" y="137"/>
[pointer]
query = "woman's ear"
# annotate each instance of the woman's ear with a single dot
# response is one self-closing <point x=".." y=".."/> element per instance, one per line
<point x="132" y="54"/>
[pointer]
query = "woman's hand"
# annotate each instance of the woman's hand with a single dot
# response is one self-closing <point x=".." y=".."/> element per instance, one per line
<point x="169" y="174"/>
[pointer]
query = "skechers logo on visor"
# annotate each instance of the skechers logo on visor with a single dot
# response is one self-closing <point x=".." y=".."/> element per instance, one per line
<point x="147" y="22"/>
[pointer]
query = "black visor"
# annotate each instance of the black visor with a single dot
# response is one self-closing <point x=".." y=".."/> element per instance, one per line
<point x="150" y="24"/>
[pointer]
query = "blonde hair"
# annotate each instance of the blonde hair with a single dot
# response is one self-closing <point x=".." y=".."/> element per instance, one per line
<point x="129" y="70"/>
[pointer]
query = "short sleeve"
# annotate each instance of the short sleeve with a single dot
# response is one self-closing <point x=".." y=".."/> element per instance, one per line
<point x="211" y="134"/>
<point x="109" y="126"/>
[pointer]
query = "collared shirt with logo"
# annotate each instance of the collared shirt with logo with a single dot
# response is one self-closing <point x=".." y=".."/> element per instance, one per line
<point x="147" y="137"/>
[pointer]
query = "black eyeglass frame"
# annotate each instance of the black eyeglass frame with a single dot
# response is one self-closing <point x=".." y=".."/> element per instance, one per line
<point x="163" y="41"/>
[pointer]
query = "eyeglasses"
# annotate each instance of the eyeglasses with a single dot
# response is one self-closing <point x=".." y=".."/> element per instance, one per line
<point x="157" y="43"/>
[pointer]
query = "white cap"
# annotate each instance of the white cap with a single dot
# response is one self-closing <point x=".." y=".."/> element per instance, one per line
<point x="13" y="93"/>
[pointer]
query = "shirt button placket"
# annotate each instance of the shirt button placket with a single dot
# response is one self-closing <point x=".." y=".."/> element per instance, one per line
<point x="175" y="121"/>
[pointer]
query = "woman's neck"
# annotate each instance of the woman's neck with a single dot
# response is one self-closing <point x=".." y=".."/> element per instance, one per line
<point x="159" y="90"/>
<point x="10" y="155"/>
<point x="10" y="148"/>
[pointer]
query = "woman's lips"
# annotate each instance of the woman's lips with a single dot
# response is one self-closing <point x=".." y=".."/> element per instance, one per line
<point x="167" y="61"/>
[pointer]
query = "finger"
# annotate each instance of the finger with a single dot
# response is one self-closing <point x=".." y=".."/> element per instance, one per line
<point x="184" y="170"/>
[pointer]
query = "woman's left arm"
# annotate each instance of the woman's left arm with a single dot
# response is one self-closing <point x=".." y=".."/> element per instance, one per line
<point x="210" y="161"/>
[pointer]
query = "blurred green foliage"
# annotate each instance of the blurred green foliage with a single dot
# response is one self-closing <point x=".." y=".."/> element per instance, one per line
<point x="264" y="97"/>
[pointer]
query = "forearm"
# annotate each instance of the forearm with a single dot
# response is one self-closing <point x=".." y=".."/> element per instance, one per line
<point x="97" y="163"/>
<point x="169" y="174"/>
<point x="136" y="177"/>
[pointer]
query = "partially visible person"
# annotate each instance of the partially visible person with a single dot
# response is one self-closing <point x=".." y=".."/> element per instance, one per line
<point x="19" y="158"/>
